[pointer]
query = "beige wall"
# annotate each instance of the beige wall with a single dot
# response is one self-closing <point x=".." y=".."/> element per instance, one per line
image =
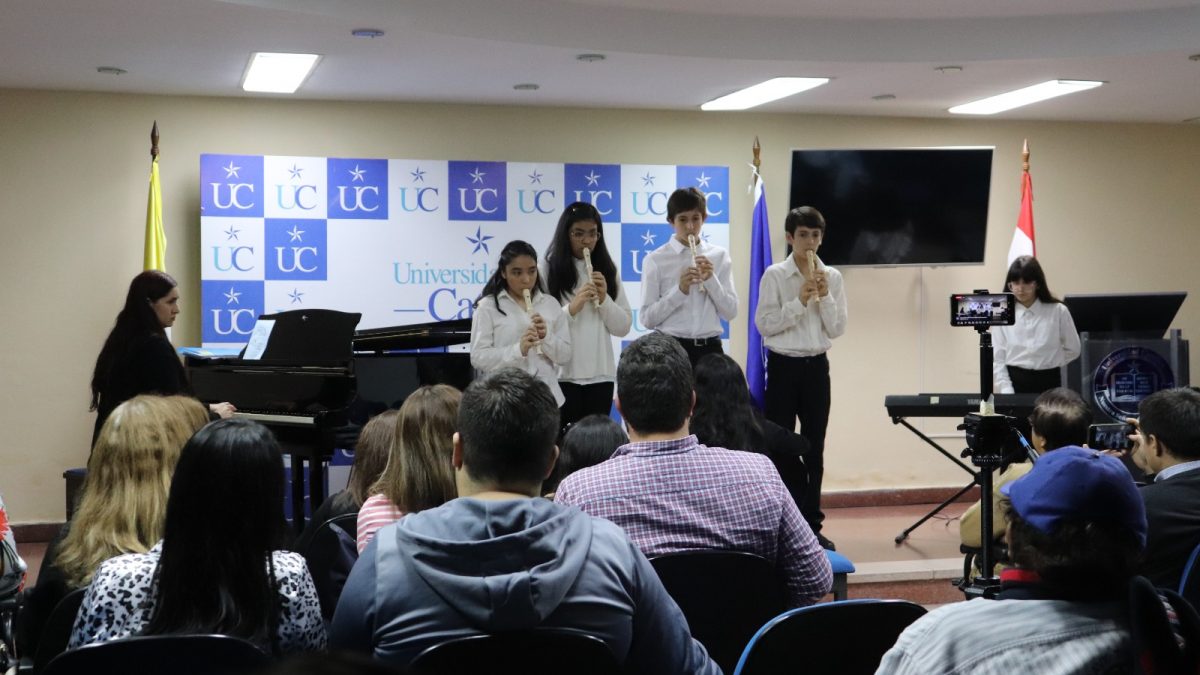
<point x="1116" y="210"/>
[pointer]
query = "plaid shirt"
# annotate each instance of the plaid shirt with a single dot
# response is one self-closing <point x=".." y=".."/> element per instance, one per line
<point x="679" y="495"/>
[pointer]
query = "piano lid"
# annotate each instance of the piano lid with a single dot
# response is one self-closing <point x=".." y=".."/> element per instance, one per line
<point x="413" y="336"/>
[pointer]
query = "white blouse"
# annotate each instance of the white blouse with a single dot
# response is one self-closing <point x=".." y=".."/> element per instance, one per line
<point x="592" y="331"/>
<point x="496" y="338"/>
<point x="1043" y="337"/>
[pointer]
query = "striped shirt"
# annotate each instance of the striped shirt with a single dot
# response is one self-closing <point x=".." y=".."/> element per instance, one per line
<point x="678" y="495"/>
<point x="376" y="512"/>
<point x="982" y="637"/>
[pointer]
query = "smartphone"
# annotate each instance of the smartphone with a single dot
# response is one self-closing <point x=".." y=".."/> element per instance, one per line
<point x="1110" y="436"/>
<point x="982" y="309"/>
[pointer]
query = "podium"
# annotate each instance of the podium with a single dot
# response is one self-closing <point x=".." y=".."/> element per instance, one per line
<point x="1127" y="351"/>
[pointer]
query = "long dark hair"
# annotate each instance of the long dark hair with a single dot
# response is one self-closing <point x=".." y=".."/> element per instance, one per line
<point x="588" y="442"/>
<point x="560" y="263"/>
<point x="136" y="319"/>
<point x="723" y="416"/>
<point x="1027" y="268"/>
<point x="496" y="284"/>
<point x="224" y="518"/>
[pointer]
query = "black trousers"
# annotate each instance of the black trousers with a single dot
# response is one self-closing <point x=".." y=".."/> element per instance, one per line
<point x="700" y="347"/>
<point x="583" y="400"/>
<point x="1026" y="381"/>
<point x="798" y="388"/>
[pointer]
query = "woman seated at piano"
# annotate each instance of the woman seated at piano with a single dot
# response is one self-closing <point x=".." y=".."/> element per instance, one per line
<point x="517" y="324"/>
<point x="581" y="275"/>
<point x="137" y="358"/>
<point x="1028" y="354"/>
<point x="419" y="474"/>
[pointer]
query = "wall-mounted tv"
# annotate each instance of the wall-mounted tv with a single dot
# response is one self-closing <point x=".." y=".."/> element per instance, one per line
<point x="918" y="206"/>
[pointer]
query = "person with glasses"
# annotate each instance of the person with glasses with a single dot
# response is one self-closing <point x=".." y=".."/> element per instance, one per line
<point x="595" y="305"/>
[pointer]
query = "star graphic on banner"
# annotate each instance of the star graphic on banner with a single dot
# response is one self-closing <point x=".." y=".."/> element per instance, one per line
<point x="535" y="177"/>
<point x="648" y="239"/>
<point x="357" y="173"/>
<point x="231" y="298"/>
<point x="295" y="233"/>
<point x="295" y="295"/>
<point x="704" y="237"/>
<point x="418" y="175"/>
<point x="477" y="175"/>
<point x="648" y="180"/>
<point x="231" y="233"/>
<point x="231" y="171"/>
<point x="480" y="240"/>
<point x="295" y="171"/>
<point x="593" y="178"/>
<point x="702" y="180"/>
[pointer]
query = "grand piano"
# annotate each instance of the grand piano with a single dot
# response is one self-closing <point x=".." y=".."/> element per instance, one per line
<point x="319" y="381"/>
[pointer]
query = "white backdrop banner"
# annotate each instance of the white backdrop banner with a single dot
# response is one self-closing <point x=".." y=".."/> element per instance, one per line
<point x="407" y="241"/>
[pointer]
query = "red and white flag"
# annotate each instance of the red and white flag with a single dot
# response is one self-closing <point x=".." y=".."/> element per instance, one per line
<point x="1022" y="241"/>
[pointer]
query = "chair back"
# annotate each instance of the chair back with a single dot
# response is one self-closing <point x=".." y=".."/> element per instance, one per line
<point x="1165" y="630"/>
<point x="331" y="554"/>
<point x="535" y="651"/>
<point x="1189" y="581"/>
<point x="807" y="639"/>
<point x="57" y="631"/>
<point x="724" y="595"/>
<point x="162" y="655"/>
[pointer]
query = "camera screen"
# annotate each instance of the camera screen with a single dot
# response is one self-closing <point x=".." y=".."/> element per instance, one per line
<point x="1110" y="436"/>
<point x="982" y="309"/>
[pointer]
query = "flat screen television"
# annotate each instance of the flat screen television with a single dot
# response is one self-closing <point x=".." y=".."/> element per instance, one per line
<point x="912" y="206"/>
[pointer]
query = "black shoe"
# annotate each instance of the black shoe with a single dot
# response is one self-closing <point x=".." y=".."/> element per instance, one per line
<point x="825" y="542"/>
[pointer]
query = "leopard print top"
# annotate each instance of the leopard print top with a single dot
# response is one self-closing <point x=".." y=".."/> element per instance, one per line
<point x="120" y="601"/>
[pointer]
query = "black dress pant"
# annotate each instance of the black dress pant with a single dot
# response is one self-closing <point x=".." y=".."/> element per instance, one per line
<point x="698" y="348"/>
<point x="583" y="400"/>
<point x="798" y="388"/>
<point x="1026" y="381"/>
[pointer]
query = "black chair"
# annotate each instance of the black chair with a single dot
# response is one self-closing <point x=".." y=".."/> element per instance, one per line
<point x="1189" y="581"/>
<point x="535" y="651"/>
<point x="804" y="640"/>
<point x="724" y="595"/>
<point x="331" y="554"/>
<point x="972" y="555"/>
<point x="163" y="655"/>
<point x="57" y="631"/>
<point x="1162" y="642"/>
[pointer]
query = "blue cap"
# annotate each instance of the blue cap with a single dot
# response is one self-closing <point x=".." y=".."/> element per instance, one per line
<point x="1077" y="484"/>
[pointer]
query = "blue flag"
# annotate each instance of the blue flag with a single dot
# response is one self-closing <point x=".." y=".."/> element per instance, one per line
<point x="760" y="260"/>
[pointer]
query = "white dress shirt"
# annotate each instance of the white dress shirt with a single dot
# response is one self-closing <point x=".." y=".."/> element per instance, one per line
<point x="496" y="338"/>
<point x="592" y="331"/>
<point x="692" y="314"/>
<point x="1043" y="337"/>
<point x="788" y="326"/>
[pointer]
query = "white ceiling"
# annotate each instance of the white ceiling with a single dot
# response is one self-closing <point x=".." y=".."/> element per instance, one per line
<point x="662" y="54"/>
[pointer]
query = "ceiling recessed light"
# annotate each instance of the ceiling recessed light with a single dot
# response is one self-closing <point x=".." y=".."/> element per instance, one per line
<point x="367" y="33"/>
<point x="1025" y="96"/>
<point x="590" y="58"/>
<point x="111" y="70"/>
<point x="526" y="86"/>
<point x="764" y="92"/>
<point x="277" y="73"/>
<point x="884" y="97"/>
<point x="947" y="70"/>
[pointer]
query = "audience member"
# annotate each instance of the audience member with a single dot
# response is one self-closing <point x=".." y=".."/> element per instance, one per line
<point x="1060" y="418"/>
<point x="588" y="442"/>
<point x="672" y="494"/>
<point x="218" y="568"/>
<point x="1076" y="530"/>
<point x="724" y="417"/>
<point x="370" y="457"/>
<point x="123" y="501"/>
<point x="1167" y="444"/>
<point x="498" y="558"/>
<point x="12" y="568"/>
<point x="418" y="474"/>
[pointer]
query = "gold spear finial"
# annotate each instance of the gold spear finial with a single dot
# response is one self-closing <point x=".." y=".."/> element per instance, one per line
<point x="154" y="141"/>
<point x="757" y="152"/>
<point x="1025" y="156"/>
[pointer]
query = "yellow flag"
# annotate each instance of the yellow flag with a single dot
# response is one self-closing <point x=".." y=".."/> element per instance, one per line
<point x="155" y="257"/>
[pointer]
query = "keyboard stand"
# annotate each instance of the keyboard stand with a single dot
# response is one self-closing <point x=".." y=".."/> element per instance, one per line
<point x="966" y="488"/>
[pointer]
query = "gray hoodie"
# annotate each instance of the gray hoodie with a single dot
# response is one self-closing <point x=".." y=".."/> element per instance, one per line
<point x="475" y="566"/>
